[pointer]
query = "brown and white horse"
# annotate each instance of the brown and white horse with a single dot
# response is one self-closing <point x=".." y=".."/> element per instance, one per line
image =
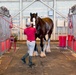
<point x="44" y="26"/>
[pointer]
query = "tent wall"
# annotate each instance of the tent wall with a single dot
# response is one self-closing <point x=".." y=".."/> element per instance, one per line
<point x="42" y="10"/>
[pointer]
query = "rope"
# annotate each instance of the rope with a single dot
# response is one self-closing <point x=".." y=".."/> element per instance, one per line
<point x="11" y="23"/>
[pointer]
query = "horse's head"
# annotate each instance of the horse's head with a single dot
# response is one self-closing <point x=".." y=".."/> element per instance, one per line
<point x="4" y="11"/>
<point x="34" y="18"/>
<point x="38" y="22"/>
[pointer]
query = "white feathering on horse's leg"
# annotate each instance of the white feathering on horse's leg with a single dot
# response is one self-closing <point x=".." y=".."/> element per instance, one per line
<point x="48" y="47"/>
<point x="35" y="53"/>
<point x="42" y="54"/>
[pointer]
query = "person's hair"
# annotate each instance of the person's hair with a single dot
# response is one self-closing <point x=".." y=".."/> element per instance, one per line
<point x="28" y="24"/>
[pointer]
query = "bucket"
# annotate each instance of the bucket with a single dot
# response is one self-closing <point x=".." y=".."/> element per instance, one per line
<point x="74" y="46"/>
<point x="62" y="41"/>
<point x="8" y="44"/>
<point x="70" y="41"/>
<point x="70" y="37"/>
<point x="3" y="46"/>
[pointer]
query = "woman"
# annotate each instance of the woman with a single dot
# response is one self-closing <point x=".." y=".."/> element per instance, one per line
<point x="30" y="33"/>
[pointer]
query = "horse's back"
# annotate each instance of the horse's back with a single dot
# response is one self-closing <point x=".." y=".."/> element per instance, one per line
<point x="48" y="20"/>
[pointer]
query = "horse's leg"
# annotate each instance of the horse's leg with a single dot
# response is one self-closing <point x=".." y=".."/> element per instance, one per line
<point x="35" y="50"/>
<point x="45" y="44"/>
<point x="42" y="51"/>
<point x="48" y="45"/>
<point x="49" y="36"/>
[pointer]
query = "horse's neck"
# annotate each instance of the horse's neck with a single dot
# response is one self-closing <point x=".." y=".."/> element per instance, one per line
<point x="40" y="20"/>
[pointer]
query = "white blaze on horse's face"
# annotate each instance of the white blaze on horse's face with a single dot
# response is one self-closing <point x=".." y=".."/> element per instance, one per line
<point x="34" y="21"/>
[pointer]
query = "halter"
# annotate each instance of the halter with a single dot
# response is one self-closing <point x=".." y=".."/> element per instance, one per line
<point x="34" y="21"/>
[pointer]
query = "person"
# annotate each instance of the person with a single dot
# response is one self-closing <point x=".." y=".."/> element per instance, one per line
<point x="13" y="41"/>
<point x="30" y="33"/>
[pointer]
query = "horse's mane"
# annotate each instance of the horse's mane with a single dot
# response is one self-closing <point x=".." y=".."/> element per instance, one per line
<point x="41" y="26"/>
<point x="40" y="21"/>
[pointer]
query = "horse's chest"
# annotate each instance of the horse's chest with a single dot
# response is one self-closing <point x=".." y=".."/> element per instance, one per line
<point x="39" y="32"/>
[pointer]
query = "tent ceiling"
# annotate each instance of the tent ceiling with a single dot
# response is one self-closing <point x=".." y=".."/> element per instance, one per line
<point x="38" y="0"/>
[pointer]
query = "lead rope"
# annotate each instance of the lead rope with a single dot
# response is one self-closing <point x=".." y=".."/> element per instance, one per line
<point x="12" y="23"/>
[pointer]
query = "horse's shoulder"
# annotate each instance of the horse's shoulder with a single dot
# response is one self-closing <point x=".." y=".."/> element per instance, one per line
<point x="47" y="19"/>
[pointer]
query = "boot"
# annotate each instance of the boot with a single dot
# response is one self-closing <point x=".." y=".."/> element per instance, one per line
<point x="30" y="62"/>
<point x="24" y="57"/>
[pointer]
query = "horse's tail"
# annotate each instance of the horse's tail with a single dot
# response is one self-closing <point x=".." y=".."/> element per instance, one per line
<point x="52" y="27"/>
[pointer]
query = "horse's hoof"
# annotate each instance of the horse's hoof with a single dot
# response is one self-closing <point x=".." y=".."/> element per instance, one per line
<point x="48" y="50"/>
<point x="42" y="54"/>
<point x="35" y="53"/>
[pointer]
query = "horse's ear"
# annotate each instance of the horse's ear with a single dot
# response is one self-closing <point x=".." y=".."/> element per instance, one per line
<point x="30" y="14"/>
<point x="36" y="14"/>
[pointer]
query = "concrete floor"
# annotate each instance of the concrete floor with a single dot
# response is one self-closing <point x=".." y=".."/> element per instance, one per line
<point x="59" y="62"/>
